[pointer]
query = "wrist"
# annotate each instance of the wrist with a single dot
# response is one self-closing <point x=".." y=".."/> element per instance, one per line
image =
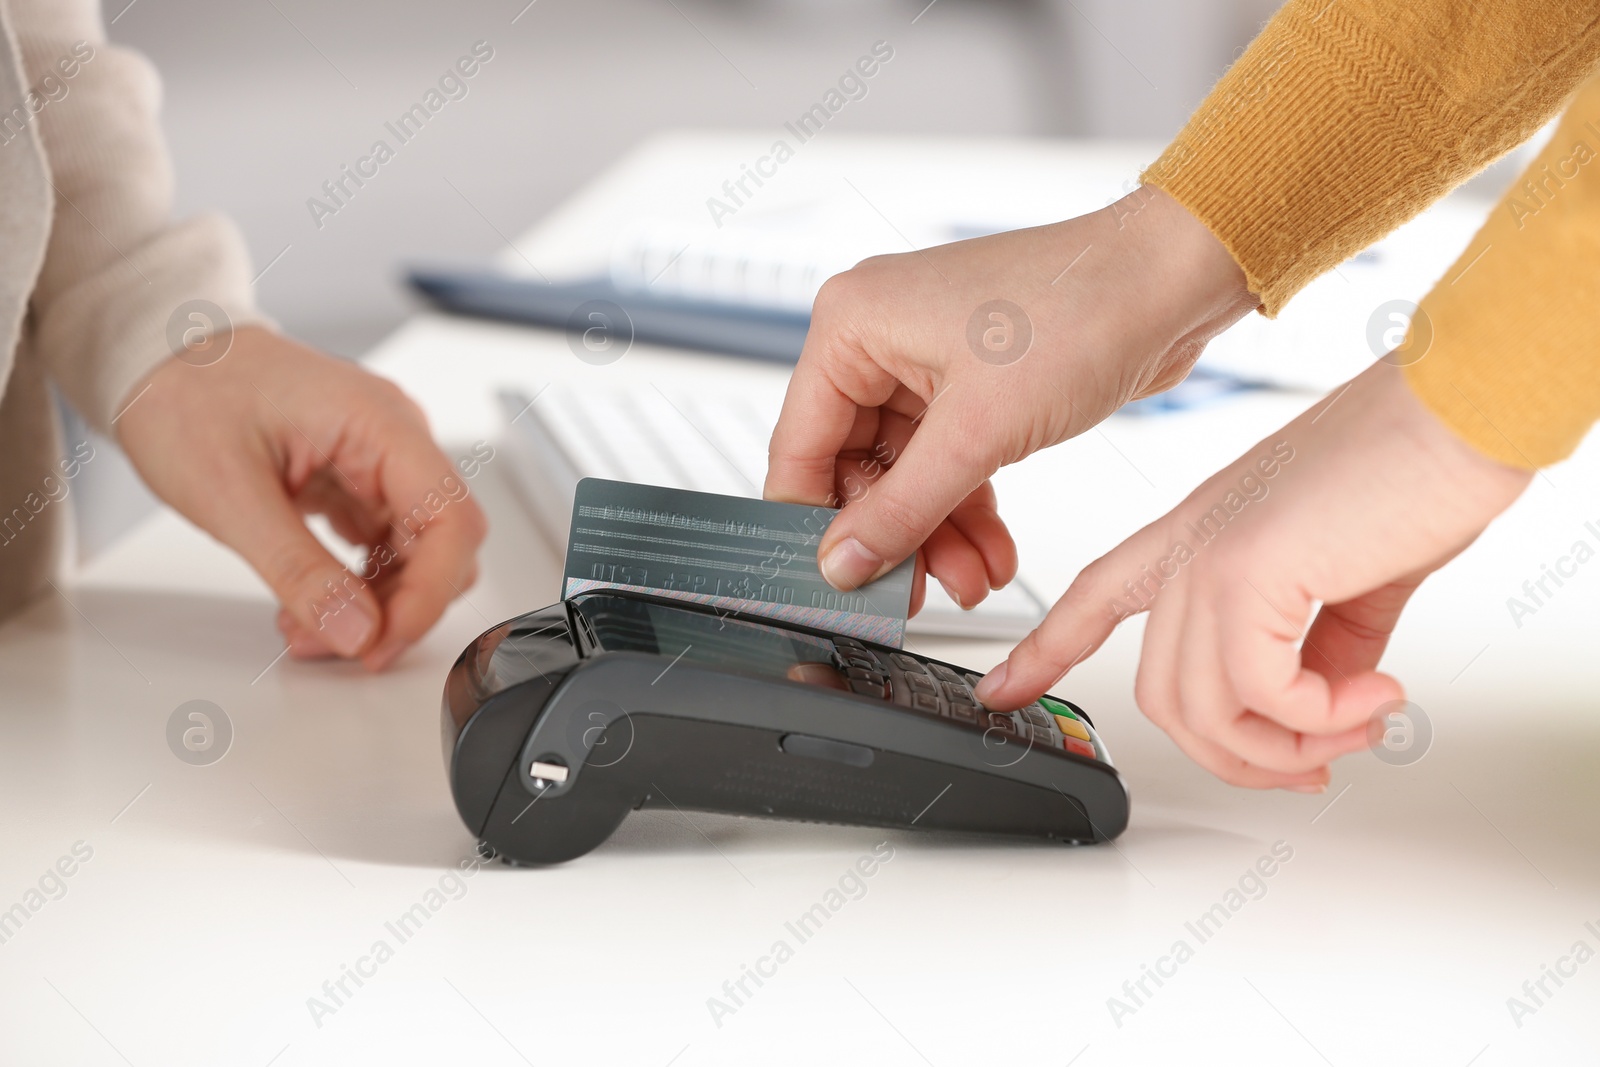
<point x="208" y="365"/>
<point x="1195" y="267"/>
<point x="1173" y="285"/>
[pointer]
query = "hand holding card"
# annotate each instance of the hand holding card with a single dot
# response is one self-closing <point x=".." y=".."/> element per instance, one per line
<point x="732" y="553"/>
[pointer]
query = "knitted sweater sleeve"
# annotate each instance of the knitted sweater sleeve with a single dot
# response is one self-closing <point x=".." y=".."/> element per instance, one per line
<point x="121" y="283"/>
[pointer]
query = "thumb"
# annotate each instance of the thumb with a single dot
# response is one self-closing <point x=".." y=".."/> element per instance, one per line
<point x="939" y="468"/>
<point x="322" y="595"/>
<point x="1076" y="626"/>
<point x="1349" y="638"/>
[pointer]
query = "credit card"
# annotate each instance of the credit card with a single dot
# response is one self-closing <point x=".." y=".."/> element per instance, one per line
<point x="729" y="552"/>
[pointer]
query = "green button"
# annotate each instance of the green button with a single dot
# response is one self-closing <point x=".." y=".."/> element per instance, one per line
<point x="1055" y="707"/>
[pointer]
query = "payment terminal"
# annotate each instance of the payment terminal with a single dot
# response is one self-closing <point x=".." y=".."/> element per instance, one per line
<point x="558" y="723"/>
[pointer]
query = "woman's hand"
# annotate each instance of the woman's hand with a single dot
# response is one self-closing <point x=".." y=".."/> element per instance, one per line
<point x="1351" y="505"/>
<point x="249" y="445"/>
<point x="924" y="373"/>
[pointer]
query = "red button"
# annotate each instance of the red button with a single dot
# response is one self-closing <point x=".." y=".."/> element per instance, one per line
<point x="1079" y="748"/>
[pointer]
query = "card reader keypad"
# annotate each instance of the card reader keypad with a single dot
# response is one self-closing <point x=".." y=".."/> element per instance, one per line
<point x="935" y="689"/>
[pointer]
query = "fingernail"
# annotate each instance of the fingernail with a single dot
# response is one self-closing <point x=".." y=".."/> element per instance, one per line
<point x="348" y="629"/>
<point x="1308" y="787"/>
<point x="849" y="564"/>
<point x="990" y="683"/>
<point x="952" y="594"/>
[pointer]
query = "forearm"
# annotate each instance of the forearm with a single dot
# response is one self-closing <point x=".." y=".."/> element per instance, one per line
<point x="1345" y="118"/>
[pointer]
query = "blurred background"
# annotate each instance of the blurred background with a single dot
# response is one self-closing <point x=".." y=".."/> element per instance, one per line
<point x="267" y="99"/>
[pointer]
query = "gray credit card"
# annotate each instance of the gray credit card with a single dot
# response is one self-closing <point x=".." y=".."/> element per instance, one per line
<point x="729" y="552"/>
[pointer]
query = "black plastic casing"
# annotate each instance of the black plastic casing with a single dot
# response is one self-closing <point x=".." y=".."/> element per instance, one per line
<point x="535" y="689"/>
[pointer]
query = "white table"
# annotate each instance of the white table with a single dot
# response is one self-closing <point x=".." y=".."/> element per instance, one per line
<point x="219" y="898"/>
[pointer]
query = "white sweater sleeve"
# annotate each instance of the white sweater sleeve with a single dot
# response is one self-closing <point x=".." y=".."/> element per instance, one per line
<point x="117" y="267"/>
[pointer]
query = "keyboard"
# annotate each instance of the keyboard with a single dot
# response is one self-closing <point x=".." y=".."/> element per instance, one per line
<point x="709" y="440"/>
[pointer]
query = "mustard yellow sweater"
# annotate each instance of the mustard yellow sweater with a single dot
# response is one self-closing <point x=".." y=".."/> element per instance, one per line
<point x="1345" y="118"/>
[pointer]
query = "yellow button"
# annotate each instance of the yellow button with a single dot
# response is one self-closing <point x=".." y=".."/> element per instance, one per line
<point x="1073" y="728"/>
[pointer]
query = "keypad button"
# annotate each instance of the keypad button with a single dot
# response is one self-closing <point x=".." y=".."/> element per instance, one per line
<point x="921" y="684"/>
<point x="1079" y="748"/>
<point x="1056" y="707"/>
<point x="1036" y="716"/>
<point x="868" y="687"/>
<point x="959" y="695"/>
<point x="906" y="663"/>
<point x="925" y="702"/>
<point x="967" y="713"/>
<point x="943" y="673"/>
<point x="1073" y="728"/>
<point x="1002" y="721"/>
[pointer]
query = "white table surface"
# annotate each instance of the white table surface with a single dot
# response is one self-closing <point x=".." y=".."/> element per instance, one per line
<point x="218" y="899"/>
